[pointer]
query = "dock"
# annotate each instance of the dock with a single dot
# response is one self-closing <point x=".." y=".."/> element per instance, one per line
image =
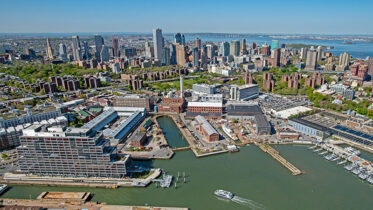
<point x="276" y="155"/>
<point x="180" y="149"/>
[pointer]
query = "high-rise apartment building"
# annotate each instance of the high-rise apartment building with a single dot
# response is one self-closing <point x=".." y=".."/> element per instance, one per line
<point x="165" y="61"/>
<point x="243" y="49"/>
<point x="172" y="54"/>
<point x="158" y="43"/>
<point x="180" y="55"/>
<point x="311" y="61"/>
<point x="277" y="57"/>
<point x="195" y="54"/>
<point x="104" y="54"/>
<point x="197" y="43"/>
<point x="234" y="48"/>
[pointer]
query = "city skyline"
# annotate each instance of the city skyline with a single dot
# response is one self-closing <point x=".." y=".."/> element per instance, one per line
<point x="286" y="17"/>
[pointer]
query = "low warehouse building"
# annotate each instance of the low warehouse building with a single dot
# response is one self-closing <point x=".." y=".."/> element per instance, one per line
<point x="210" y="133"/>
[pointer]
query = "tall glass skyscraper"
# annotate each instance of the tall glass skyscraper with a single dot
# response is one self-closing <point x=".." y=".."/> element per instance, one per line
<point x="76" y="48"/>
<point x="224" y="49"/>
<point x="158" y="43"/>
<point x="62" y="52"/>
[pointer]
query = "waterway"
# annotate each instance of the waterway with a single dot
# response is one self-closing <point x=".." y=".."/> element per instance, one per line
<point x="171" y="132"/>
<point x="250" y="174"/>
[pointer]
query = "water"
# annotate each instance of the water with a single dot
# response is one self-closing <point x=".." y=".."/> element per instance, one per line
<point x="358" y="49"/>
<point x="171" y="132"/>
<point x="258" y="181"/>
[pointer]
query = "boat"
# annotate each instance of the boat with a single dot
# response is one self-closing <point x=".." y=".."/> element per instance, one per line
<point x="3" y="188"/>
<point x="313" y="147"/>
<point x="342" y="162"/>
<point x="317" y="150"/>
<point x="370" y="179"/>
<point x="224" y="194"/>
<point x="357" y="170"/>
<point x="323" y="153"/>
<point x="364" y="175"/>
<point x="349" y="167"/>
<point x="336" y="158"/>
<point x="352" y="150"/>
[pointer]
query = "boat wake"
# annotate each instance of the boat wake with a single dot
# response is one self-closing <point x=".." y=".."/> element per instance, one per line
<point x="248" y="203"/>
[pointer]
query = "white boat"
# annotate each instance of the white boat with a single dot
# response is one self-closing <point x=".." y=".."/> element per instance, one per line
<point x="224" y="194"/>
<point x="3" y="188"/>
<point x="342" y="162"/>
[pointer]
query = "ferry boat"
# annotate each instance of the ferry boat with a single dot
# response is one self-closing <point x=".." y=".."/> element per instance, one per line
<point x="3" y="188"/>
<point x="224" y="194"/>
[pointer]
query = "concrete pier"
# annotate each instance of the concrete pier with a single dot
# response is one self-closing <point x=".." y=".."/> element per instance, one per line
<point x="276" y="155"/>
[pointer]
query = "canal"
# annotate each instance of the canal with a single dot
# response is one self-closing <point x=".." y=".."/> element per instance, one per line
<point x="172" y="133"/>
<point x="251" y="174"/>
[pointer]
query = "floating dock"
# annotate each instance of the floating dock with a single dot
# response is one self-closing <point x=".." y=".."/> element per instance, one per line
<point x="276" y="155"/>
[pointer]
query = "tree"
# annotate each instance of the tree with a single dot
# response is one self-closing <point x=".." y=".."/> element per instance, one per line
<point x="4" y="156"/>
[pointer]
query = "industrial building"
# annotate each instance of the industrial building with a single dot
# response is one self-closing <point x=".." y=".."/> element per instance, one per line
<point x="244" y="93"/>
<point x="100" y="121"/>
<point x="309" y="128"/>
<point x="173" y="105"/>
<point x="134" y="101"/>
<point x="210" y="133"/>
<point x="243" y="111"/>
<point x="262" y="125"/>
<point x="138" y="139"/>
<point x="210" y="110"/>
<point x="73" y="152"/>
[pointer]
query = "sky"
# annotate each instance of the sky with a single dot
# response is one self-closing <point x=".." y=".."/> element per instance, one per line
<point x="187" y="16"/>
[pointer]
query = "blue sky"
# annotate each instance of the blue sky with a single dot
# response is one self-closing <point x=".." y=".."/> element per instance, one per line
<point x="232" y="16"/>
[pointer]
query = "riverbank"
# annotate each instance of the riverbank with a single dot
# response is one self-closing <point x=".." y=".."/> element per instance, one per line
<point x="250" y="174"/>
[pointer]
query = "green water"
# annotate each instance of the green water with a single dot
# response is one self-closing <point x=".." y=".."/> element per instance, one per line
<point x="250" y="174"/>
<point x="171" y="132"/>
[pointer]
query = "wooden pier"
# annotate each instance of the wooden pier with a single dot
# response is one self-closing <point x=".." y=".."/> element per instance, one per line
<point x="276" y="155"/>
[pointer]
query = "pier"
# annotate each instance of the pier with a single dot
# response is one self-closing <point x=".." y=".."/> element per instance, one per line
<point x="276" y="155"/>
<point x="181" y="149"/>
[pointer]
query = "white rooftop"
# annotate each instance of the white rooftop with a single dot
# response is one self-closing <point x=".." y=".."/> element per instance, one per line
<point x="205" y="104"/>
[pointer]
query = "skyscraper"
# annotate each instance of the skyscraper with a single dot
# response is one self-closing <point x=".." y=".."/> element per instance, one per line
<point x="319" y="51"/>
<point x="76" y="48"/>
<point x="165" y="61"/>
<point x="277" y="57"/>
<point x="344" y="61"/>
<point x="234" y="48"/>
<point x="104" y="53"/>
<point x="275" y="44"/>
<point x="99" y="41"/>
<point x="172" y="54"/>
<point x="195" y="54"/>
<point x="183" y="39"/>
<point x="62" y="52"/>
<point x="311" y="61"/>
<point x="49" y="50"/>
<point x="87" y="55"/>
<point x="158" y="43"/>
<point x="148" y="50"/>
<point x="243" y="50"/>
<point x="198" y="43"/>
<point x="115" y="47"/>
<point x="203" y="63"/>
<point x="180" y="55"/>
<point x="224" y="49"/>
<point x="178" y="38"/>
